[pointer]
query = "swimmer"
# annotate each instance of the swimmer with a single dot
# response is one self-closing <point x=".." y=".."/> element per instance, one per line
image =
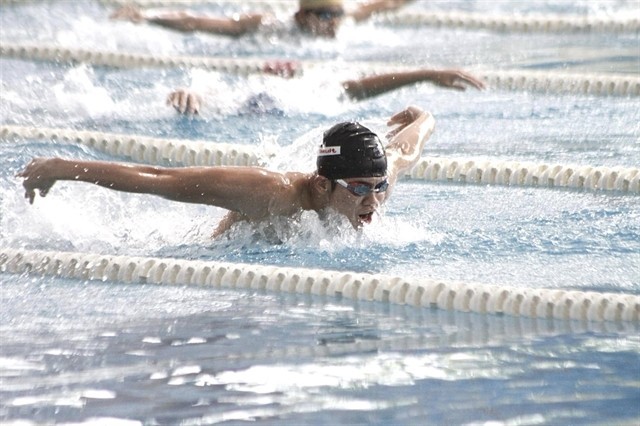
<point x="186" y="101"/>
<point x="315" y="17"/>
<point x="354" y="176"/>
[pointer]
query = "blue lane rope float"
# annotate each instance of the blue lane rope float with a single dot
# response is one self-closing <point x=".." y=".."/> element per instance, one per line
<point x="448" y="295"/>
<point x="178" y="152"/>
<point x="510" y="80"/>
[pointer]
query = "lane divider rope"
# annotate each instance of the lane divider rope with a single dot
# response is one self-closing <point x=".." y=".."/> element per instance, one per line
<point x="449" y="295"/>
<point x="143" y="149"/>
<point x="510" y="80"/>
<point x="514" y="22"/>
<point x="515" y="173"/>
<point x="179" y="152"/>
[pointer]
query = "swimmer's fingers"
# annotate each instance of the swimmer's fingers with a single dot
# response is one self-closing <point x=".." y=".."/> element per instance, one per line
<point x="457" y="86"/>
<point x="400" y="126"/>
<point x="30" y="195"/>
<point x="249" y="22"/>
<point x="286" y="69"/>
<point x="470" y="80"/>
<point x="393" y="132"/>
<point x="397" y="118"/>
<point x="34" y="175"/>
<point x="180" y="102"/>
<point x="390" y="134"/>
<point x="43" y="188"/>
<point x="184" y="101"/>
<point x="458" y="80"/>
<point x="402" y="119"/>
<point x="193" y="103"/>
<point x="128" y="13"/>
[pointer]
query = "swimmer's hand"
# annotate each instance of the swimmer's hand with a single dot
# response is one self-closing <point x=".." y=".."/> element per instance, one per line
<point x="403" y="119"/>
<point x="185" y="101"/>
<point x="37" y="176"/>
<point x="286" y="69"/>
<point x="128" y="13"/>
<point x="456" y="79"/>
<point x="366" y="9"/>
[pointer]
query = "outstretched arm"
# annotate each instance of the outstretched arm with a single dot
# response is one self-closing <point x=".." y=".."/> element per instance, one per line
<point x="368" y="87"/>
<point x="364" y="11"/>
<point x="406" y="141"/>
<point x="253" y="192"/>
<point x="185" y="22"/>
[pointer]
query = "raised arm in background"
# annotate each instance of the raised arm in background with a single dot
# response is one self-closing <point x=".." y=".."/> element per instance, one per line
<point x="186" y="22"/>
<point x="366" y="10"/>
<point x="186" y="101"/>
<point x="371" y="86"/>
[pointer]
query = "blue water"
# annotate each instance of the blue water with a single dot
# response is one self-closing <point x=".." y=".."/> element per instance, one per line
<point x="105" y="353"/>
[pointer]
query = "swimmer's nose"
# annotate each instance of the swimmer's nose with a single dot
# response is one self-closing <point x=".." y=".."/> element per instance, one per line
<point x="371" y="199"/>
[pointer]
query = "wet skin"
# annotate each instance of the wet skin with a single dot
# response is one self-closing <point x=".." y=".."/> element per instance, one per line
<point x="358" y="210"/>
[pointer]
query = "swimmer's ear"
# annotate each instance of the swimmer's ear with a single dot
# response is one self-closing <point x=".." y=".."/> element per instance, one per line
<point x="299" y="18"/>
<point x="321" y="184"/>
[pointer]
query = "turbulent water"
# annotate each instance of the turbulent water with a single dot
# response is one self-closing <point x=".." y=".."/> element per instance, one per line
<point x="75" y="352"/>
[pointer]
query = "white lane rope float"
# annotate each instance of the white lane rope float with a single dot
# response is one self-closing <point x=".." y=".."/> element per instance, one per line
<point x="179" y="152"/>
<point x="144" y="149"/>
<point x="510" y="80"/>
<point x="424" y="292"/>
<point x="514" y="22"/>
<point x="529" y="22"/>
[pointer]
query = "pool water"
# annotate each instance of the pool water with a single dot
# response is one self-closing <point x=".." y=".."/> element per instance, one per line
<point x="74" y="352"/>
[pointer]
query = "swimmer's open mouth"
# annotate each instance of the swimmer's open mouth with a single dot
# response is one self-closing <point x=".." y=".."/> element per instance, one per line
<point x="366" y="218"/>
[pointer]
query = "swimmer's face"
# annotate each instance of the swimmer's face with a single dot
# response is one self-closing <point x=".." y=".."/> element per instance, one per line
<point x="359" y="209"/>
<point x="322" y="22"/>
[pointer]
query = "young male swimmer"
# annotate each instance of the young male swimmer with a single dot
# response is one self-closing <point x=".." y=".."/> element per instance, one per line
<point x="354" y="177"/>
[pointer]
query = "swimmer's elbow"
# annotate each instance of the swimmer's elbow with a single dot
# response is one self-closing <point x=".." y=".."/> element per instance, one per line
<point x="354" y="90"/>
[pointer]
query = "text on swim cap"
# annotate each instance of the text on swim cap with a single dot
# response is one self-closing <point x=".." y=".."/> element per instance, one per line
<point x="328" y="150"/>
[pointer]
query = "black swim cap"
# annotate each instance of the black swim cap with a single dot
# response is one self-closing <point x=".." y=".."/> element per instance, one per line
<point x="351" y="150"/>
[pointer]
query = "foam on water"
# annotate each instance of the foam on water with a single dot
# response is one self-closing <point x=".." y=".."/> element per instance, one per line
<point x="77" y="353"/>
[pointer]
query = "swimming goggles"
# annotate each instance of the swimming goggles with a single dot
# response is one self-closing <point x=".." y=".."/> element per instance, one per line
<point x="326" y="13"/>
<point x="362" y="189"/>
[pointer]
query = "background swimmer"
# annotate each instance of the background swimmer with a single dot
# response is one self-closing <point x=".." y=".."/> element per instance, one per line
<point x="187" y="101"/>
<point x="315" y="17"/>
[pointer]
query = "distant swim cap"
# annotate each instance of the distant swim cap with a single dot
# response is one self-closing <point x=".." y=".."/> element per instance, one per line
<point x="261" y="103"/>
<point x="351" y="150"/>
<point x="319" y="4"/>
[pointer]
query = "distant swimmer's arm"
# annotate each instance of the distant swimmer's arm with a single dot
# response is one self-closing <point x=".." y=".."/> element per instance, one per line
<point x="407" y="140"/>
<point x="186" y="22"/>
<point x="375" y="85"/>
<point x="254" y="192"/>
<point x="365" y="10"/>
